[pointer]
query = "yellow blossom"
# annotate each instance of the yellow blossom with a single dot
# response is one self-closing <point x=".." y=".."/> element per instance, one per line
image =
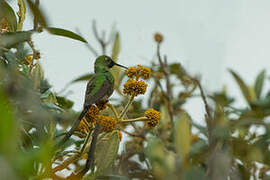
<point x="158" y="37"/>
<point x="134" y="87"/>
<point x="28" y="59"/>
<point x="83" y="128"/>
<point x="139" y="71"/>
<point x="91" y="114"/>
<point x="144" y="72"/>
<point x="108" y="123"/>
<point x="130" y="72"/>
<point x="153" y="117"/>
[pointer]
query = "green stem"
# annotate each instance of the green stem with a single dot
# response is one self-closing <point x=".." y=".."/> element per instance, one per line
<point x="127" y="106"/>
<point x="73" y="158"/>
<point x="85" y="142"/>
<point x="113" y="110"/>
<point x="134" y="120"/>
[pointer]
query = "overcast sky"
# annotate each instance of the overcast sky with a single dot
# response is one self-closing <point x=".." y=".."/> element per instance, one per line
<point x="206" y="36"/>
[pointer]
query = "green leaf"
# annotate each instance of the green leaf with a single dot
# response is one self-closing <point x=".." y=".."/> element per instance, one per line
<point x="37" y="75"/>
<point x="65" y="33"/>
<point x="8" y="130"/>
<point x="7" y="13"/>
<point x="106" y="151"/>
<point x="116" y="71"/>
<point x="9" y="39"/>
<point x="112" y="177"/>
<point x="85" y="77"/>
<point x="48" y="96"/>
<point x="21" y="14"/>
<point x="64" y="102"/>
<point x="116" y="47"/>
<point x="244" y="88"/>
<point x="182" y="135"/>
<point x="39" y="15"/>
<point x="51" y="106"/>
<point x="259" y="83"/>
<point x="195" y="173"/>
<point x="162" y="161"/>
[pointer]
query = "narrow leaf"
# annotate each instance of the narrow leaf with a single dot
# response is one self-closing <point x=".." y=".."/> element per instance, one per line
<point x="116" y="47"/>
<point x="37" y="75"/>
<point x="182" y="135"/>
<point x="7" y="127"/>
<point x="84" y="77"/>
<point x="244" y="88"/>
<point x="259" y="83"/>
<point x="65" y="33"/>
<point x="116" y="71"/>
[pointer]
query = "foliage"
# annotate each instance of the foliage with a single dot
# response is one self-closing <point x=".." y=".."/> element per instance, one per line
<point x="233" y="143"/>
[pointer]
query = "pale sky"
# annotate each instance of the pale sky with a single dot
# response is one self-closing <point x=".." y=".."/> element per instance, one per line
<point x="206" y="36"/>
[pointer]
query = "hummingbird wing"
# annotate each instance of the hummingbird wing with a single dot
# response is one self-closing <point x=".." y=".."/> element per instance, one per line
<point x="98" y="87"/>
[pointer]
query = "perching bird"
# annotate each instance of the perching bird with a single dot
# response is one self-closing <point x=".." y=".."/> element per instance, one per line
<point x="99" y="88"/>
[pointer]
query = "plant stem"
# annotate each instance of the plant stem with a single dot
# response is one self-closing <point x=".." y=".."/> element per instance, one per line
<point x="113" y="110"/>
<point x="73" y="158"/>
<point x="134" y="120"/>
<point x="127" y="106"/>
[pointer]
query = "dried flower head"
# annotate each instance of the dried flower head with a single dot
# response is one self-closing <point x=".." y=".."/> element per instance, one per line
<point x="158" y="37"/>
<point x="91" y="114"/>
<point x="139" y="71"/>
<point x="134" y="87"/>
<point x="131" y="72"/>
<point x="83" y="128"/>
<point x="194" y="139"/>
<point x="153" y="117"/>
<point x="108" y="123"/>
<point x="144" y="72"/>
<point x="28" y="59"/>
<point x="4" y="26"/>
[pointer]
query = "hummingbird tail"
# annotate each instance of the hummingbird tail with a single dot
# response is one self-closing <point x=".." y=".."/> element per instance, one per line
<point x="74" y="126"/>
<point x="91" y="153"/>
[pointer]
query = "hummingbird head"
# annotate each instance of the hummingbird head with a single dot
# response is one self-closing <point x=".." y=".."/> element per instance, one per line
<point x="105" y="63"/>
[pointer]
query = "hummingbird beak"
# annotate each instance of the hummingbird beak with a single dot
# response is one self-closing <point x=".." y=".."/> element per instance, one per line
<point x="120" y="65"/>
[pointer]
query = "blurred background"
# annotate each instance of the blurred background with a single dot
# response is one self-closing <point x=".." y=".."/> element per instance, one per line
<point x="206" y="36"/>
<point x="208" y="43"/>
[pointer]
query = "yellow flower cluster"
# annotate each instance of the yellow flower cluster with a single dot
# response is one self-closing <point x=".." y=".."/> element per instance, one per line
<point x="158" y="37"/>
<point x="108" y="123"/>
<point x="91" y="114"/>
<point x="89" y="120"/>
<point x="83" y="127"/>
<point x="153" y="117"/>
<point x="134" y="87"/>
<point x="139" y="71"/>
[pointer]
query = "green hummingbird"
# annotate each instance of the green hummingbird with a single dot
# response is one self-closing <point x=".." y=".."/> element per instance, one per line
<point x="99" y="88"/>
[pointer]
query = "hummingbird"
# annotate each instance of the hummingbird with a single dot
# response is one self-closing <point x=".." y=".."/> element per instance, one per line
<point x="99" y="88"/>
